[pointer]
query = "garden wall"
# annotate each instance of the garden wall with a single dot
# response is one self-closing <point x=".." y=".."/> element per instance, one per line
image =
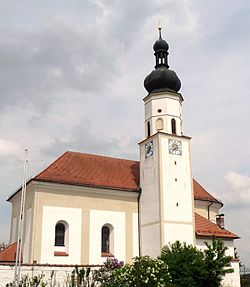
<point x="62" y="273"/>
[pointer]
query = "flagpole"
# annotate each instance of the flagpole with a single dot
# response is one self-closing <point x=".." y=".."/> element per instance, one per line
<point x="17" y="274"/>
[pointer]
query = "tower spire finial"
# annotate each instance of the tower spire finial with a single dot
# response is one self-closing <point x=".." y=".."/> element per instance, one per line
<point x="159" y="28"/>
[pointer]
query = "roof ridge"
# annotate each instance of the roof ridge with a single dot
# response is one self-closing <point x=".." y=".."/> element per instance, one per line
<point x="103" y="156"/>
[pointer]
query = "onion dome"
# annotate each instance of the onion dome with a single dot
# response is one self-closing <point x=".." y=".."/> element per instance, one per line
<point x="162" y="78"/>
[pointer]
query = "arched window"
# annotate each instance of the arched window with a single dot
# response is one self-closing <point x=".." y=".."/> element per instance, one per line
<point x="107" y="240"/>
<point x="159" y="124"/>
<point x="60" y="234"/>
<point x="148" y="127"/>
<point x="173" y="125"/>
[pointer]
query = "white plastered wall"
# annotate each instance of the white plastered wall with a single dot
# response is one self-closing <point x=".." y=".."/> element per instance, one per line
<point x="150" y="200"/>
<point x="205" y="207"/>
<point x="151" y="243"/>
<point x="98" y="218"/>
<point x="170" y="106"/>
<point x="13" y="236"/>
<point x="135" y="234"/>
<point x="51" y="215"/>
<point x="177" y="193"/>
<point x="149" y="179"/>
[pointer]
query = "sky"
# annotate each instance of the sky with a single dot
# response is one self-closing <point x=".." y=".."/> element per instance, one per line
<point x="71" y="78"/>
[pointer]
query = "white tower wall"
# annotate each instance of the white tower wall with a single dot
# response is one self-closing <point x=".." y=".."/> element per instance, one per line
<point x="165" y="106"/>
<point x="166" y="202"/>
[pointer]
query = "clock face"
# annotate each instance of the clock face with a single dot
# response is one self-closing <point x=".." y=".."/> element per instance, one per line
<point x="174" y="147"/>
<point x="149" y="149"/>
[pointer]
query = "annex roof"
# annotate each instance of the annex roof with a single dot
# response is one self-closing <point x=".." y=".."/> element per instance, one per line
<point x="206" y="228"/>
<point x="8" y="254"/>
<point x="201" y="194"/>
<point x="101" y="171"/>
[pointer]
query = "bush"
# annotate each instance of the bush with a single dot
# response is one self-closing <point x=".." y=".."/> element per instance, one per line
<point x="190" y="267"/>
<point x="105" y="275"/>
<point x="185" y="264"/>
<point x="143" y="272"/>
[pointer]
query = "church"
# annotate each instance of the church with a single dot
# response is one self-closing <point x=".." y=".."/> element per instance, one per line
<point x="84" y="208"/>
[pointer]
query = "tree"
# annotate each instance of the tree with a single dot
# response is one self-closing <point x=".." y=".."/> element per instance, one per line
<point x="190" y="267"/>
<point x="185" y="263"/>
<point x="3" y="246"/>
<point x="216" y="263"/>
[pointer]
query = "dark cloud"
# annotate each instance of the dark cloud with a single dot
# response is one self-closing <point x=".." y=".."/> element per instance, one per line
<point x="37" y="65"/>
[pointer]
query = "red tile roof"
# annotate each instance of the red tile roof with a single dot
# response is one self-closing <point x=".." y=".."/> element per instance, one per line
<point x="204" y="227"/>
<point x="201" y="194"/>
<point x="8" y="254"/>
<point x="102" y="171"/>
<point x="92" y="170"/>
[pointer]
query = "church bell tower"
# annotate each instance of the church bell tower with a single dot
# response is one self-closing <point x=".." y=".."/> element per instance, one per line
<point x="166" y="202"/>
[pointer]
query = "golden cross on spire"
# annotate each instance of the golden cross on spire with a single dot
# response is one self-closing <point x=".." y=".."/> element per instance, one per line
<point x="159" y="28"/>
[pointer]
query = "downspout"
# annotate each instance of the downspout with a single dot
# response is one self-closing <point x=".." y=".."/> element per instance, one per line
<point x="139" y="221"/>
<point x="208" y="210"/>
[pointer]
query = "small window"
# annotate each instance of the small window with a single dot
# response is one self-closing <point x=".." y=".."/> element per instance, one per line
<point x="173" y="125"/>
<point x="105" y="239"/>
<point x="148" y="128"/>
<point x="159" y="124"/>
<point x="60" y="234"/>
<point x="107" y="248"/>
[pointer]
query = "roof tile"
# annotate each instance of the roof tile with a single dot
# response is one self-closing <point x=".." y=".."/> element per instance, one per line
<point x="9" y="253"/>
<point x="92" y="170"/>
<point x="204" y="227"/>
<point x="201" y="194"/>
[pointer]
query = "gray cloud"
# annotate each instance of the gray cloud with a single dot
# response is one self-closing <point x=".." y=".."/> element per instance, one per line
<point x="82" y="138"/>
<point x="37" y="65"/>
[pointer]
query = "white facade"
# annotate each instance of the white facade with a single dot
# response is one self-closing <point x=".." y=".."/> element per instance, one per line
<point x="73" y="218"/>
<point x="116" y="222"/>
<point x="13" y="232"/>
